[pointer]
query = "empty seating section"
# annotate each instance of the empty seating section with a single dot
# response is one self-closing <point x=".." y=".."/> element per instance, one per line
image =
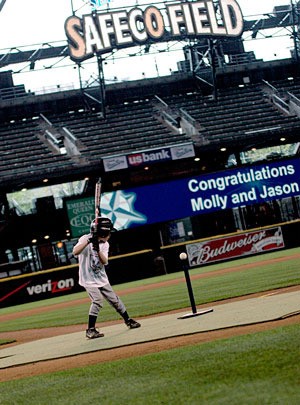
<point x="22" y="151"/>
<point x="235" y="113"/>
<point x="126" y="128"/>
<point x="291" y="85"/>
<point x="13" y="92"/>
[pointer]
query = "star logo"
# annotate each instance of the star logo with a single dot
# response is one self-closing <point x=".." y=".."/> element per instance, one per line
<point x="119" y="208"/>
<point x="99" y="3"/>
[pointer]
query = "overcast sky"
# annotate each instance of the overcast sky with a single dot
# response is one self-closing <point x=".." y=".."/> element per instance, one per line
<point x="37" y="22"/>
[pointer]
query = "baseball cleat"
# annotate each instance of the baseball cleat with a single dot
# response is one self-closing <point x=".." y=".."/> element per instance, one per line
<point x="93" y="333"/>
<point x="132" y="324"/>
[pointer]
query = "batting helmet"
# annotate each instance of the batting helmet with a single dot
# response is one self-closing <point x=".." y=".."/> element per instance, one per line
<point x="102" y="226"/>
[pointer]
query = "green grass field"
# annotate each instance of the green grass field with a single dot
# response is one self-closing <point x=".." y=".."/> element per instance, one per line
<point x="261" y="368"/>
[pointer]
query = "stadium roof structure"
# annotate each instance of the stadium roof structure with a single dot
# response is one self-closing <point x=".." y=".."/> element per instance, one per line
<point x="282" y="17"/>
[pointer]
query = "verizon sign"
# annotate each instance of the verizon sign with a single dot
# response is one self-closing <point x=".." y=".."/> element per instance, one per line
<point x="100" y="32"/>
<point x="240" y="245"/>
<point x="38" y="286"/>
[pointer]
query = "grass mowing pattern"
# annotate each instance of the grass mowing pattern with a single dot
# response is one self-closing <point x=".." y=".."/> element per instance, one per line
<point x="262" y="368"/>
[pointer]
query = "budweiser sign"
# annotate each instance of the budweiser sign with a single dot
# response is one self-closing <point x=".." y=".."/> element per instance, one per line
<point x="243" y="244"/>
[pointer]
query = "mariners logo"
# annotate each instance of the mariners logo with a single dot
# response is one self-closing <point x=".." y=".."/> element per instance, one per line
<point x="119" y="208"/>
<point x="98" y="3"/>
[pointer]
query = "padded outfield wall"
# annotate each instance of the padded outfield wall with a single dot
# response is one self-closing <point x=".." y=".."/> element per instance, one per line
<point x="144" y="264"/>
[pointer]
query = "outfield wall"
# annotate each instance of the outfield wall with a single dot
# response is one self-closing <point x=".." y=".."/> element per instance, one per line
<point x="64" y="280"/>
<point x="144" y="264"/>
<point x="232" y="246"/>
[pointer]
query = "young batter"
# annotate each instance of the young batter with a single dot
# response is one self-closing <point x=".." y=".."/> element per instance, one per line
<point x="92" y="250"/>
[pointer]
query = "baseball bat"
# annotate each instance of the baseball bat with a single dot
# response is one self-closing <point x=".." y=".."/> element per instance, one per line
<point x="98" y="199"/>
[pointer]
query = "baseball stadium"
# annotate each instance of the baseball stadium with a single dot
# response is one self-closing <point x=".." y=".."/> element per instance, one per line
<point x="178" y="124"/>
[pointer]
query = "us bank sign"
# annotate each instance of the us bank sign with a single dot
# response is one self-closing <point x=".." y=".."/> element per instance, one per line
<point x="148" y="157"/>
<point x="100" y="32"/>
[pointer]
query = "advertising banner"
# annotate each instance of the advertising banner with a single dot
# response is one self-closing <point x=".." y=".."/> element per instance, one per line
<point x="39" y="286"/>
<point x="81" y="213"/>
<point x="243" y="244"/>
<point x="176" y="199"/>
<point x="148" y="157"/>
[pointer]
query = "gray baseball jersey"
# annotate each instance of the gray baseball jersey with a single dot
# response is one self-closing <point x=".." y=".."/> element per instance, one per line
<point x="91" y="271"/>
